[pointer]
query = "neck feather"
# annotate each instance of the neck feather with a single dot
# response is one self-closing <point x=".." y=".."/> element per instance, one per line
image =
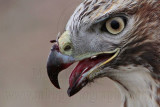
<point x="138" y="87"/>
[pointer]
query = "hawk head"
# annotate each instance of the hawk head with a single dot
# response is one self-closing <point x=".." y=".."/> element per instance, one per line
<point x="118" y="39"/>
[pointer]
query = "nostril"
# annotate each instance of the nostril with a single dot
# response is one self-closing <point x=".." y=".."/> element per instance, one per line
<point x="67" y="48"/>
<point x="65" y="43"/>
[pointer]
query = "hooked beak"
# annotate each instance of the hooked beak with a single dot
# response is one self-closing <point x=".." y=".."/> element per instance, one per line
<point x="56" y="63"/>
<point x="88" y="68"/>
<point x="85" y="71"/>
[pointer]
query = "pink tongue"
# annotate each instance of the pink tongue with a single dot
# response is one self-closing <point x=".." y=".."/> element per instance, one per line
<point x="82" y="67"/>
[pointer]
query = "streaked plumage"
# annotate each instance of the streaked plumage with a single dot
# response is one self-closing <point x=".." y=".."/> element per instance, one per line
<point x="132" y="55"/>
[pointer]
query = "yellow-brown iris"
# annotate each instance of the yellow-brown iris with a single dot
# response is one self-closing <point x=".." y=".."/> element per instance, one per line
<point x="115" y="25"/>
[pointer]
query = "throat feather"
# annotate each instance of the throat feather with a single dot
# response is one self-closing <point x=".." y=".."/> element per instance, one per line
<point x="137" y="86"/>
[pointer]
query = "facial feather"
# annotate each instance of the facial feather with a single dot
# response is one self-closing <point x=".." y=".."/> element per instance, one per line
<point x="136" y="66"/>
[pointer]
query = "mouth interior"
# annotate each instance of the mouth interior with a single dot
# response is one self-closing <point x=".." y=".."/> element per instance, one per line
<point x="86" y="65"/>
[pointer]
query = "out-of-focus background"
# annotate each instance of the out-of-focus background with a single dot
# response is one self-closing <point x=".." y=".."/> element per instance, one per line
<point x="26" y="27"/>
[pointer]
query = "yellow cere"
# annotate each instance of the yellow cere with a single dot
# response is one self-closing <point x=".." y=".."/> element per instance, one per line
<point x="65" y="40"/>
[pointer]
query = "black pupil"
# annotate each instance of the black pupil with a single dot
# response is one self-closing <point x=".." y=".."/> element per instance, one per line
<point x="115" y="25"/>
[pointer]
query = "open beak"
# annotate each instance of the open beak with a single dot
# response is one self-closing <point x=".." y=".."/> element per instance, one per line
<point x="88" y="68"/>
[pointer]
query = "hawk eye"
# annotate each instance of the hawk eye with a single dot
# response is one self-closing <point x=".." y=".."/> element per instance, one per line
<point x="115" y="25"/>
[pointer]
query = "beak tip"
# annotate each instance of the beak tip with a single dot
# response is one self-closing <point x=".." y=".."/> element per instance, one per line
<point x="69" y="92"/>
<point x="55" y="83"/>
<point x="57" y="86"/>
<point x="53" y="76"/>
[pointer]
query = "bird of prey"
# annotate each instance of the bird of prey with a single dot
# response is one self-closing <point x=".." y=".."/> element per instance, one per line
<point x="118" y="39"/>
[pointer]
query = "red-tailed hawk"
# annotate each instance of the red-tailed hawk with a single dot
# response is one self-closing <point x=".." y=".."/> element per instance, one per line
<point x="118" y="39"/>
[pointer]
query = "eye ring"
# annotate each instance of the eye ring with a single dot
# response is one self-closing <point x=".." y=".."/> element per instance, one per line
<point x="114" y="25"/>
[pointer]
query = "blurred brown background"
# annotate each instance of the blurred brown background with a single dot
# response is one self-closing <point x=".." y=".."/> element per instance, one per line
<point x="26" y="27"/>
